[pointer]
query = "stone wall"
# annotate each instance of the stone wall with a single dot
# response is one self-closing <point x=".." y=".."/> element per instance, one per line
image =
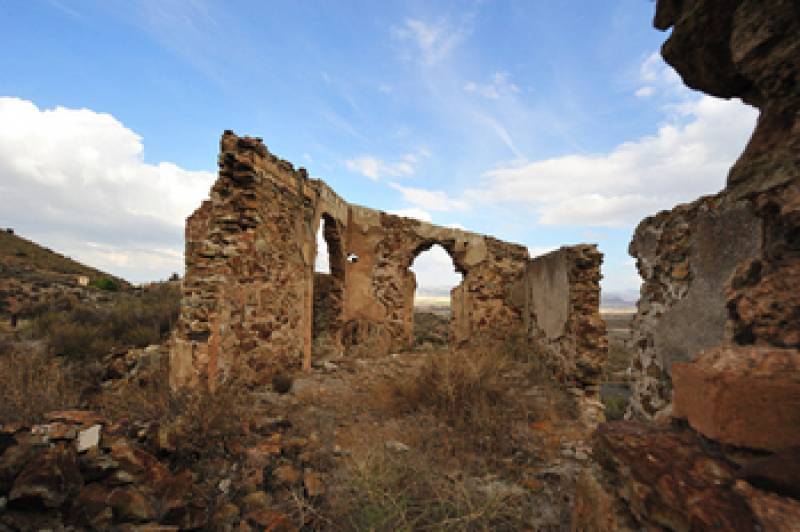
<point x="685" y="257"/>
<point x="732" y="438"/>
<point x="562" y="313"/>
<point x="724" y="268"/>
<point x="249" y="290"/>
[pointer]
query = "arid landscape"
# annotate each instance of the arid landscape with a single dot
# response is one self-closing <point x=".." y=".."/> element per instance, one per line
<point x="253" y="391"/>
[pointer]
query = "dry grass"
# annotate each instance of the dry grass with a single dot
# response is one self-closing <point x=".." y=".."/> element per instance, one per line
<point x="430" y="329"/>
<point x="33" y="383"/>
<point x="198" y="424"/>
<point x="464" y="389"/>
<point x="390" y="491"/>
<point x="205" y="425"/>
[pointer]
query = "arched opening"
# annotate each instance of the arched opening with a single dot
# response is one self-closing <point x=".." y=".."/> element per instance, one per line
<point x="437" y="284"/>
<point x="328" y="290"/>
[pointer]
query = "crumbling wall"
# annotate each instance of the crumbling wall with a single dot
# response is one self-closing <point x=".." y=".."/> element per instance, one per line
<point x="250" y="291"/>
<point x="562" y="313"/>
<point x="561" y="295"/>
<point x="725" y="268"/>
<point x="247" y="289"/>
<point x="379" y="298"/>
<point x="685" y="257"/>
<point x="327" y="315"/>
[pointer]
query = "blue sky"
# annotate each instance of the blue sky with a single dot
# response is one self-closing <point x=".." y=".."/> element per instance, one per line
<point x="544" y="123"/>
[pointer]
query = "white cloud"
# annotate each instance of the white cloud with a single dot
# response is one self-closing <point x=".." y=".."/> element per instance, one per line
<point x="432" y="41"/>
<point x="430" y="200"/>
<point x="495" y="89"/>
<point x="375" y="168"/>
<point x="322" y="260"/>
<point x="365" y="165"/>
<point x="414" y="212"/>
<point x="686" y="158"/>
<point x="76" y="180"/>
<point x="537" y="251"/>
<point x="655" y="74"/>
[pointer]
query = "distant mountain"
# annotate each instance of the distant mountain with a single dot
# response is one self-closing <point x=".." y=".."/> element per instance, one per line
<point x="612" y="300"/>
<point x="433" y="291"/>
<point x="619" y="299"/>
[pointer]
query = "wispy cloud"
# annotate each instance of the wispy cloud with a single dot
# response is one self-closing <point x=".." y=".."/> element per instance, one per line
<point x="430" y="200"/>
<point x="497" y="86"/>
<point x="375" y="168"/>
<point x="655" y="75"/>
<point x="430" y="42"/>
<point x="414" y="212"/>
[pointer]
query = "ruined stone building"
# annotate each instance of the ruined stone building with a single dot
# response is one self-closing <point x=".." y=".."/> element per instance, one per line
<point x="250" y="290"/>
<point x="716" y="334"/>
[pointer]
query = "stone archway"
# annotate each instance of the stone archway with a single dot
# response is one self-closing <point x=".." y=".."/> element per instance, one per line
<point x="410" y="283"/>
<point x="432" y="316"/>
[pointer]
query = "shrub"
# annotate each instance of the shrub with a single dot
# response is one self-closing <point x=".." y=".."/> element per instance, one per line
<point x="32" y="384"/>
<point x="615" y="407"/>
<point x="207" y="424"/>
<point x="104" y="283"/>
<point x="282" y="383"/>
<point x="87" y="331"/>
<point x="462" y="388"/>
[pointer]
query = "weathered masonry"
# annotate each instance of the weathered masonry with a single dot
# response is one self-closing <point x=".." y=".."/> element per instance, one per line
<point x="252" y="303"/>
<point x="717" y="333"/>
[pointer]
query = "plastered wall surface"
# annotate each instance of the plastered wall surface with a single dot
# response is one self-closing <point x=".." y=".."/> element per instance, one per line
<point x="686" y="257"/>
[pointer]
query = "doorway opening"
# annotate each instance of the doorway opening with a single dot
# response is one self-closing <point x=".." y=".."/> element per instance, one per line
<point x="436" y="282"/>
<point x="328" y="290"/>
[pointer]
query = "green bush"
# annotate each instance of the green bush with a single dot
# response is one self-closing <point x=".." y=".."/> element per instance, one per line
<point x="106" y="284"/>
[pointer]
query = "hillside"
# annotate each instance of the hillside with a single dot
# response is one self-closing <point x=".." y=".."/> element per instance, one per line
<point x="18" y="254"/>
<point x="32" y="275"/>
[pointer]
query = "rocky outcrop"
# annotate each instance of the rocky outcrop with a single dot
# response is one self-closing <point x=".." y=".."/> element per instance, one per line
<point x="670" y="478"/>
<point x="743" y="396"/>
<point x="733" y="367"/>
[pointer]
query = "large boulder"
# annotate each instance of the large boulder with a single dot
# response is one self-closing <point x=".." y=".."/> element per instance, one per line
<point x="744" y="396"/>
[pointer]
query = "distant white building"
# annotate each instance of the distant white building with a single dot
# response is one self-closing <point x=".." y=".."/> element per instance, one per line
<point x="83" y="280"/>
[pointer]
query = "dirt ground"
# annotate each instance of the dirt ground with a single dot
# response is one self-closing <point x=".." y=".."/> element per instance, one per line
<point x="358" y="440"/>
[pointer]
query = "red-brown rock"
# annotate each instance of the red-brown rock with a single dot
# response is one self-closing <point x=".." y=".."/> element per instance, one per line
<point x="773" y="512"/>
<point x="50" y="479"/>
<point x="668" y="480"/>
<point x="744" y="396"/>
